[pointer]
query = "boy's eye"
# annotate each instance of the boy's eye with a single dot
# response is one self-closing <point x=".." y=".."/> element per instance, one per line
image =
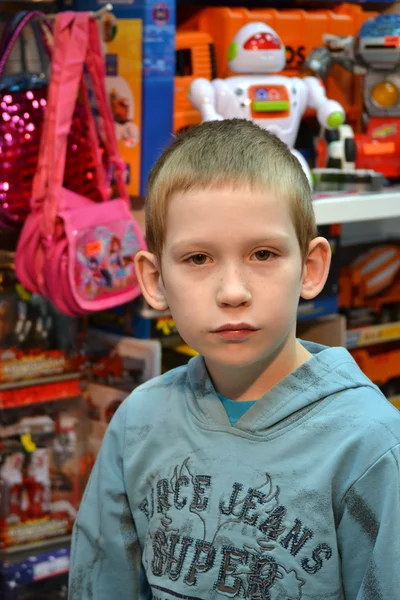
<point x="198" y="259"/>
<point x="262" y="255"/>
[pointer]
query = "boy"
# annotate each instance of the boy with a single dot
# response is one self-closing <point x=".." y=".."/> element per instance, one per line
<point x="268" y="468"/>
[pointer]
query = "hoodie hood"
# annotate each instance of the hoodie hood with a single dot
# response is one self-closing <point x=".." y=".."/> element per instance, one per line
<point x="328" y="372"/>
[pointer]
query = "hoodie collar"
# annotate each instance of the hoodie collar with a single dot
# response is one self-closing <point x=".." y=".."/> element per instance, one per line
<point x="329" y="371"/>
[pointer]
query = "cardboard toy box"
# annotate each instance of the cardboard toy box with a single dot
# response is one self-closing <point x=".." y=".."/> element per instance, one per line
<point x="369" y="282"/>
<point x="36" y="340"/>
<point x="117" y="366"/>
<point x="122" y="44"/>
<point x="329" y="331"/>
<point x="101" y="403"/>
<point x="40" y="469"/>
<point x="326" y="303"/>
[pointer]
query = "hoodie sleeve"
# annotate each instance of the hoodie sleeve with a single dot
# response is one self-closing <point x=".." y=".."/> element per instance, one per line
<point x="105" y="552"/>
<point x="369" y="532"/>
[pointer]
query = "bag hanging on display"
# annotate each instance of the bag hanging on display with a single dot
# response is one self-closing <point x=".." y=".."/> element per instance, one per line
<point x="23" y="103"/>
<point x="78" y="253"/>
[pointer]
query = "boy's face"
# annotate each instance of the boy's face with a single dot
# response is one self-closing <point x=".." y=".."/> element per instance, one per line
<point x="232" y="273"/>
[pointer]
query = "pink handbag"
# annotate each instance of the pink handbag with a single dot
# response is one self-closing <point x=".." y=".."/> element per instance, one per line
<point x="23" y="101"/>
<point x="78" y="253"/>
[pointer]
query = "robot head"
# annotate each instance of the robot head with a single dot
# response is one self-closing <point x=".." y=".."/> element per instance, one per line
<point x="256" y="48"/>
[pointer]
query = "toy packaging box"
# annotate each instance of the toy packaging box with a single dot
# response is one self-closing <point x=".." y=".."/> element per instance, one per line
<point x="326" y="303"/>
<point x="369" y="283"/>
<point x="41" y="574"/>
<point x="381" y="363"/>
<point x="117" y="366"/>
<point x="122" y="362"/>
<point x="40" y="469"/>
<point x="122" y="44"/>
<point x="36" y="340"/>
<point x="136" y="319"/>
<point x="102" y="401"/>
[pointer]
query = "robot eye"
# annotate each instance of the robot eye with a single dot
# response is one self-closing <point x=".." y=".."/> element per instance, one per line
<point x="263" y="41"/>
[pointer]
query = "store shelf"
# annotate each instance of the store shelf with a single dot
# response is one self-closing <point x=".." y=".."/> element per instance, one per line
<point x="16" y="554"/>
<point x="39" y="391"/>
<point x="372" y="335"/>
<point x="357" y="207"/>
<point x="24" y="383"/>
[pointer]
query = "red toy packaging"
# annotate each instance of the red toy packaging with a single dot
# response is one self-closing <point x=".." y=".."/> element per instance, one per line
<point x="36" y="340"/>
<point x="40" y="464"/>
<point x="117" y="366"/>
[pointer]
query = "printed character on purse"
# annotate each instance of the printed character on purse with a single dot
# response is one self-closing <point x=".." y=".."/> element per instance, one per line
<point x="104" y="261"/>
<point x="274" y="102"/>
<point x="92" y="274"/>
<point x="121" y="264"/>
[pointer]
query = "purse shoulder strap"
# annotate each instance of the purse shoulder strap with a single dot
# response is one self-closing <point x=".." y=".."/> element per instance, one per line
<point x="71" y="38"/>
<point x="76" y="45"/>
<point x="96" y="69"/>
<point x="40" y="181"/>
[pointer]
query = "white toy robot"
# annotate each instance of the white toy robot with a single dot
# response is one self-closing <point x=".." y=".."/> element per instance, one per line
<point x="274" y="102"/>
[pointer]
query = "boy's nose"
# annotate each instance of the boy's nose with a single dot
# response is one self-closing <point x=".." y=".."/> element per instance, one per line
<point x="233" y="290"/>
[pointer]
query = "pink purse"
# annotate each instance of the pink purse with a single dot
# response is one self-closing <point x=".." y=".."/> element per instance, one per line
<point x="78" y="253"/>
<point x="23" y="100"/>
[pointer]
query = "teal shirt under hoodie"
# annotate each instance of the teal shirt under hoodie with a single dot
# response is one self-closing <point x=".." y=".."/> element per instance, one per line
<point x="299" y="500"/>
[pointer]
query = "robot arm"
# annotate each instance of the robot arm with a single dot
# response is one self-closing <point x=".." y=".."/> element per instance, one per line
<point x="330" y="114"/>
<point x="318" y="63"/>
<point x="202" y="96"/>
<point x="338" y="49"/>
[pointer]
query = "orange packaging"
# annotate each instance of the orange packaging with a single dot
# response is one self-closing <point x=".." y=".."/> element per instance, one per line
<point x="381" y="366"/>
<point x="195" y="57"/>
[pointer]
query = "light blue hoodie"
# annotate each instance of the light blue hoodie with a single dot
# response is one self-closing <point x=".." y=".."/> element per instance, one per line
<point x="299" y="500"/>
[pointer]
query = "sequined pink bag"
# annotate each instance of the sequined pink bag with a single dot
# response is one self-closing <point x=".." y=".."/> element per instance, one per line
<point x="23" y="102"/>
<point x="78" y="253"/>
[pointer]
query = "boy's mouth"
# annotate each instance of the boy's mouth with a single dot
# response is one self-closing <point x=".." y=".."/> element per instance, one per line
<point x="235" y="331"/>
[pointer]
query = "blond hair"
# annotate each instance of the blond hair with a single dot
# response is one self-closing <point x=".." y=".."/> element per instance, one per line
<point x="230" y="152"/>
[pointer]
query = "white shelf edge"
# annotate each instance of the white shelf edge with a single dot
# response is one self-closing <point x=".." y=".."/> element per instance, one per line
<point x="357" y="207"/>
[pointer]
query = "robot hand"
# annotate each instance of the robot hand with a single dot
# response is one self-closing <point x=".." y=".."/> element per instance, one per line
<point x="331" y="115"/>
<point x="202" y="97"/>
<point x="338" y="42"/>
<point x="318" y="63"/>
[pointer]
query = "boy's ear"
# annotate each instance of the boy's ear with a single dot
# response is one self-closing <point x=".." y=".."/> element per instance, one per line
<point x="316" y="268"/>
<point x="150" y="280"/>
